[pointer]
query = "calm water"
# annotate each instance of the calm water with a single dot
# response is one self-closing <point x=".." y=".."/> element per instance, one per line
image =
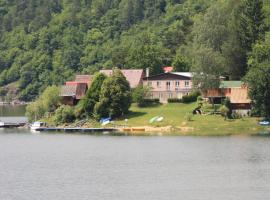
<point x="83" y="167"/>
<point x="69" y="167"/>
<point x="8" y="110"/>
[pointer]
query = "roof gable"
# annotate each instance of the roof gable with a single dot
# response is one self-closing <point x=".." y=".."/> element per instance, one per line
<point x="168" y="76"/>
<point x="133" y="76"/>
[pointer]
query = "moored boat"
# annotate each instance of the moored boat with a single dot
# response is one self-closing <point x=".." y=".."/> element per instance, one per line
<point x="36" y="125"/>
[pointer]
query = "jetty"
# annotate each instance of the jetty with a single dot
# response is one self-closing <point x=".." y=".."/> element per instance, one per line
<point x="85" y="130"/>
<point x="13" y="122"/>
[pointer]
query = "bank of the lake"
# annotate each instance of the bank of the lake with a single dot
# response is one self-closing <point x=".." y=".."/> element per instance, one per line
<point x="176" y="123"/>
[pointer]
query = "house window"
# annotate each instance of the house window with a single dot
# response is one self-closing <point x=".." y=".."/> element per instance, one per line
<point x="170" y="95"/>
<point x="186" y="83"/>
<point x="168" y="85"/>
<point x="177" y="84"/>
<point x="158" y="83"/>
<point x="160" y="95"/>
<point x="150" y="83"/>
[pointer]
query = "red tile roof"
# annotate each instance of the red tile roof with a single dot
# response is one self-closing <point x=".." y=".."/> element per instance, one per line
<point x="167" y="69"/>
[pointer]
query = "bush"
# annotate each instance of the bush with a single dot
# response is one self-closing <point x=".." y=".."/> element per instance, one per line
<point x="138" y="95"/>
<point x="3" y="92"/>
<point x="148" y="102"/>
<point x="174" y="100"/>
<point x="64" y="114"/>
<point x="227" y="102"/>
<point x="192" y="97"/>
<point x="47" y="103"/>
<point x="189" y="117"/>
<point x="224" y="111"/>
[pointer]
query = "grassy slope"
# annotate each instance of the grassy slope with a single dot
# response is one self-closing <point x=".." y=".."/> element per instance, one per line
<point x="175" y="115"/>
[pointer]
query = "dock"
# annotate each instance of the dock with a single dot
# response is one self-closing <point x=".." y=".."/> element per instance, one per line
<point x="13" y="122"/>
<point x="85" y="130"/>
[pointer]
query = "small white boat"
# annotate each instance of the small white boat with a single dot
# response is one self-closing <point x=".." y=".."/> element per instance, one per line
<point x="265" y="123"/>
<point x="160" y="119"/>
<point x="2" y="124"/>
<point x="36" y="125"/>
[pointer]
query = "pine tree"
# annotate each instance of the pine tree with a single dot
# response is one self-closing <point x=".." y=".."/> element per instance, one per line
<point x="252" y="23"/>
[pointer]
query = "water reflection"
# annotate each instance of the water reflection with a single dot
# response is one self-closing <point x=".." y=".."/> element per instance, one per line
<point x="12" y="110"/>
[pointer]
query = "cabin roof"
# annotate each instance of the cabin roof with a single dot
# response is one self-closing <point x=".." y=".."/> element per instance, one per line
<point x="83" y="78"/>
<point x="133" y="76"/>
<point x="68" y="90"/>
<point x="239" y="95"/>
<point x="231" y="84"/>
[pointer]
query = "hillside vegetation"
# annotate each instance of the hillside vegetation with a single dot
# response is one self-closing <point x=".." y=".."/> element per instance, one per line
<point x="45" y="42"/>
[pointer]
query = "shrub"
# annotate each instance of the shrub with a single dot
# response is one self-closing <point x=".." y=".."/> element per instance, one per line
<point x="189" y="117"/>
<point x="64" y="114"/>
<point x="138" y="95"/>
<point x="224" y="111"/>
<point x="227" y="102"/>
<point x="46" y="103"/>
<point x="192" y="97"/>
<point x="149" y="102"/>
<point x="3" y="92"/>
<point x="174" y="100"/>
<point x="199" y="100"/>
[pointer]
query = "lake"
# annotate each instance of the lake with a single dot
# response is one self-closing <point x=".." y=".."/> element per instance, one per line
<point x="102" y="167"/>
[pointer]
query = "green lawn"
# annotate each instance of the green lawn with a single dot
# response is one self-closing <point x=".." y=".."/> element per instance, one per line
<point x="175" y="115"/>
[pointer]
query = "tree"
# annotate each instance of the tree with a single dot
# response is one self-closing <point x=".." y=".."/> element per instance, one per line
<point x="145" y="51"/>
<point x="47" y="103"/>
<point x="87" y="104"/>
<point x="208" y="67"/>
<point x="180" y="64"/>
<point x="258" y="78"/>
<point x="139" y="94"/>
<point x="115" y="97"/>
<point x="64" y="114"/>
<point x="252" y="23"/>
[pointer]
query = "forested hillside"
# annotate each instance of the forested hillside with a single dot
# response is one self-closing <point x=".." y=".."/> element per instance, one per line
<point x="45" y="42"/>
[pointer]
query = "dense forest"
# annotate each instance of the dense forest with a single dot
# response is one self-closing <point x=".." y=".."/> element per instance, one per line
<point x="46" y="42"/>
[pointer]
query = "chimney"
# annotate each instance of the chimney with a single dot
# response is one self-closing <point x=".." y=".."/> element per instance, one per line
<point x="147" y="72"/>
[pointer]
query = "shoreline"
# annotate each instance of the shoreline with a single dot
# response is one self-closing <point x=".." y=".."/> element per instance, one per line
<point x="188" y="131"/>
<point x="14" y="103"/>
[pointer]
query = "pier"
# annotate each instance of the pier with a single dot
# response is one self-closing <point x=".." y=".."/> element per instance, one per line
<point x="13" y="122"/>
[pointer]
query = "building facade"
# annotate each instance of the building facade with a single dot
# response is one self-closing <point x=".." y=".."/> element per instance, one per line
<point x="236" y="91"/>
<point x="169" y="85"/>
<point x="73" y="91"/>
